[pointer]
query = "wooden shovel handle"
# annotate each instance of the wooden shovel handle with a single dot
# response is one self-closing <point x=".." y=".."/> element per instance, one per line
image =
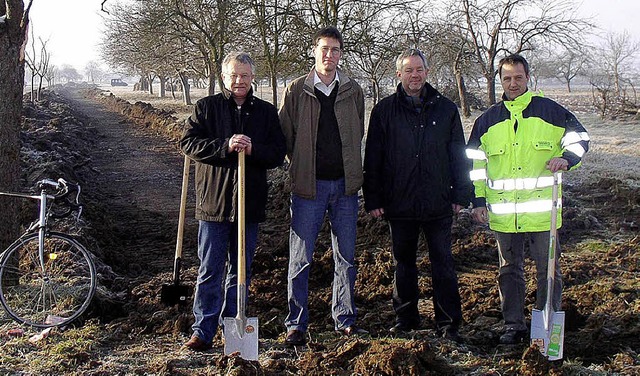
<point x="242" y="263"/>
<point x="183" y="205"/>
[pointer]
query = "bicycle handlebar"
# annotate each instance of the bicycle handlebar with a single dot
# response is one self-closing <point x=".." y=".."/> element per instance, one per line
<point x="61" y="190"/>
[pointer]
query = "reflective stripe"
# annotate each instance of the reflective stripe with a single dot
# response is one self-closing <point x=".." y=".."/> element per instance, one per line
<point x="522" y="183"/>
<point x="476" y="154"/>
<point x="480" y="174"/>
<point x="576" y="149"/>
<point x="574" y="137"/>
<point x="538" y="206"/>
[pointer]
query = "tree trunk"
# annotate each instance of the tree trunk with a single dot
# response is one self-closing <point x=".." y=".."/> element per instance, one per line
<point x="274" y="88"/>
<point x="163" y="90"/>
<point x="12" y="38"/>
<point x="491" y="87"/>
<point x="212" y="83"/>
<point x="150" y="79"/>
<point x="462" y="94"/>
<point x="186" y="96"/>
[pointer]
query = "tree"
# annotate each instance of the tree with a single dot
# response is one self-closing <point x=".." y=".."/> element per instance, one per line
<point x="68" y="73"/>
<point x="497" y="27"/>
<point x="93" y="71"/>
<point x="611" y="74"/>
<point x="14" y="21"/>
<point x="38" y="63"/>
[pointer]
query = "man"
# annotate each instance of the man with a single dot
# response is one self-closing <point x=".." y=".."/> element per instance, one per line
<point x="322" y="116"/>
<point x="220" y="127"/>
<point x="415" y="176"/>
<point x="516" y="146"/>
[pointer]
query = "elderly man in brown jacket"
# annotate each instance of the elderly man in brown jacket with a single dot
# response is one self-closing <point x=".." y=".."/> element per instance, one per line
<point x="322" y="117"/>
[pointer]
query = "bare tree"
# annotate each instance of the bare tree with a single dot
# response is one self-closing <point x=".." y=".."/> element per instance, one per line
<point x="499" y="27"/>
<point x="37" y="59"/>
<point x="611" y="74"/>
<point x="14" y="21"/>
<point x="278" y="24"/>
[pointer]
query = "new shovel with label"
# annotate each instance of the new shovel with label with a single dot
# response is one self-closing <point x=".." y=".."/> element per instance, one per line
<point x="547" y="325"/>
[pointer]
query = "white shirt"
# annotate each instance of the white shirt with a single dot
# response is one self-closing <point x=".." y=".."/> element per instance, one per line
<point x="326" y="89"/>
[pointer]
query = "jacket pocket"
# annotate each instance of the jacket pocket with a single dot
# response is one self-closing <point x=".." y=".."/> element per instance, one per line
<point x="495" y="150"/>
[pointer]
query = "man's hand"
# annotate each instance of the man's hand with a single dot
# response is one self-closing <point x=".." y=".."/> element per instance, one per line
<point x="480" y="214"/>
<point x="558" y="164"/>
<point x="240" y="142"/>
<point x="456" y="208"/>
<point x="377" y="213"/>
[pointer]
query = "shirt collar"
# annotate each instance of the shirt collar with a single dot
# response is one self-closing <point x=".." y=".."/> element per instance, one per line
<point x="326" y="89"/>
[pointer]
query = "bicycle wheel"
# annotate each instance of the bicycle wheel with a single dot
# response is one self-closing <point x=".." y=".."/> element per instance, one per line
<point x="53" y="295"/>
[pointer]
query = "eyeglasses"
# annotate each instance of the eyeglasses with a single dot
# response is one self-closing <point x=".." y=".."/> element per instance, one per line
<point x="243" y="77"/>
<point x="334" y="50"/>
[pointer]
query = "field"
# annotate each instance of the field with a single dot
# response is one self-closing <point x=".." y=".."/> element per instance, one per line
<point x="124" y="154"/>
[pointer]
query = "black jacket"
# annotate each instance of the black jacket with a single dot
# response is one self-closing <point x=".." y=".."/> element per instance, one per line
<point x="415" y="165"/>
<point x="214" y="120"/>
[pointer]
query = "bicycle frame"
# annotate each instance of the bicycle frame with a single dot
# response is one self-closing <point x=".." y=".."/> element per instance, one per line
<point x="41" y="223"/>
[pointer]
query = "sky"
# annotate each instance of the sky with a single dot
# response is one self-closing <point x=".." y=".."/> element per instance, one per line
<point x="73" y="27"/>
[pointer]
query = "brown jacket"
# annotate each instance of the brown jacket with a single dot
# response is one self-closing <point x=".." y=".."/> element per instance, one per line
<point x="299" y="114"/>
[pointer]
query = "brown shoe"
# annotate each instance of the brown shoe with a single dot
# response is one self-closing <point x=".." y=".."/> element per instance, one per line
<point x="196" y="344"/>
<point x="294" y="338"/>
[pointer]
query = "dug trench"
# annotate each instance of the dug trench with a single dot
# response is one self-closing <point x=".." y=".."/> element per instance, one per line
<point x="126" y="158"/>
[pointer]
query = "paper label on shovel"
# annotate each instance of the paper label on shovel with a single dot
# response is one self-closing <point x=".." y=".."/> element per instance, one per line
<point x="554" y="340"/>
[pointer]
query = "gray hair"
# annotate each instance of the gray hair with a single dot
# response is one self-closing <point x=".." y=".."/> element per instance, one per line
<point x="410" y="52"/>
<point x="240" y="57"/>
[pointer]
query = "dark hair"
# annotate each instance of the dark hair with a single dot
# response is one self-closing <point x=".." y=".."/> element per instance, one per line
<point x="328" y="32"/>
<point x="512" y="60"/>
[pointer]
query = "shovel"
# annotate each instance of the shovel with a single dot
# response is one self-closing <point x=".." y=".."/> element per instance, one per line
<point x="176" y="293"/>
<point x="547" y="326"/>
<point x="241" y="332"/>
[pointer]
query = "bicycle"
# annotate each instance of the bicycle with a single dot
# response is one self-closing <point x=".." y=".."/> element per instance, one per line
<point x="47" y="278"/>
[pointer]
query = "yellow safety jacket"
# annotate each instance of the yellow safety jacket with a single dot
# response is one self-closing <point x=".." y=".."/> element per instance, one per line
<point x="510" y="145"/>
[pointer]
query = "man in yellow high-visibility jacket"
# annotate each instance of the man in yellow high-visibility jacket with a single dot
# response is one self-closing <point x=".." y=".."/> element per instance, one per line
<point x="516" y="146"/>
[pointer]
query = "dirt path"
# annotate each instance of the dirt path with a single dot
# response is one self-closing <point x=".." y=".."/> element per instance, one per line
<point x="132" y="185"/>
<point x="138" y="182"/>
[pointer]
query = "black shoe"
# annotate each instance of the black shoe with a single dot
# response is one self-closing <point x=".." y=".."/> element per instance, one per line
<point x="451" y="333"/>
<point x="294" y="338"/>
<point x="352" y="331"/>
<point x="401" y="327"/>
<point x="512" y="337"/>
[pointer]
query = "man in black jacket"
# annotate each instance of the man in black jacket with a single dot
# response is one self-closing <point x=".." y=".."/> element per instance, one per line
<point x="416" y="176"/>
<point x="221" y="126"/>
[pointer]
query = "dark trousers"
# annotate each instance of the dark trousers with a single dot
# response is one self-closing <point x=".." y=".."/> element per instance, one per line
<point x="446" y="298"/>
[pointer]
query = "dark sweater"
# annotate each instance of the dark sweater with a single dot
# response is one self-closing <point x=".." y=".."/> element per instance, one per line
<point x="328" y="145"/>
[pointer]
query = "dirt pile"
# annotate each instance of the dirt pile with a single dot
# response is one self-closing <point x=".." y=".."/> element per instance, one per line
<point x="600" y="263"/>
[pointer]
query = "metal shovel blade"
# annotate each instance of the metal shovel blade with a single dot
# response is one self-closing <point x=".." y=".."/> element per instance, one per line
<point x="241" y="336"/>
<point x="172" y="294"/>
<point x="550" y="337"/>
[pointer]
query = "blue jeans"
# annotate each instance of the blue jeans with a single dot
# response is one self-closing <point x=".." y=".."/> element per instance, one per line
<point x="446" y="297"/>
<point x="307" y="217"/>
<point x="217" y="249"/>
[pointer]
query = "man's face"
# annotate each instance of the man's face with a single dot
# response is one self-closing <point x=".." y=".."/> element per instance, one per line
<point x="413" y="75"/>
<point x="514" y="80"/>
<point x="327" y="54"/>
<point x="237" y="78"/>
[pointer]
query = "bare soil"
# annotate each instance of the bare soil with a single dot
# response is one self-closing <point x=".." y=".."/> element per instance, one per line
<point x="131" y="173"/>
